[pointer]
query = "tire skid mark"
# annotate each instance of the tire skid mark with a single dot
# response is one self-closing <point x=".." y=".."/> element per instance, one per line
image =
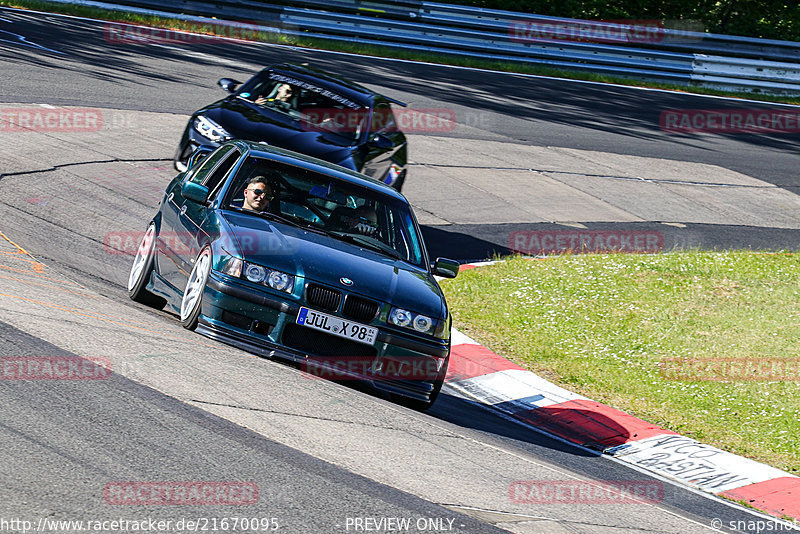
<point x="49" y="285"/>
<point x="39" y="276"/>
<point x="100" y="318"/>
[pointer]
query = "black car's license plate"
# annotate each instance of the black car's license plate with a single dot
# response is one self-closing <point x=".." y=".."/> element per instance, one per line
<point x="336" y="326"/>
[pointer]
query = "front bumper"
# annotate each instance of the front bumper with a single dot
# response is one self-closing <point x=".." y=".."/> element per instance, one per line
<point x="265" y="324"/>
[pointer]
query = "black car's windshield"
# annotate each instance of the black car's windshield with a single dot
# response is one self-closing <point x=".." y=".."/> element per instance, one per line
<point x="315" y="108"/>
<point x="344" y="211"/>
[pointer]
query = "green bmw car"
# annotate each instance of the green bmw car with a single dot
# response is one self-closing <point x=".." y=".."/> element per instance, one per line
<point x="292" y="257"/>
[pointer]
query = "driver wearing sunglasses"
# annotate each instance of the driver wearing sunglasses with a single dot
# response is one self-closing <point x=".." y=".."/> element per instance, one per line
<point x="257" y="194"/>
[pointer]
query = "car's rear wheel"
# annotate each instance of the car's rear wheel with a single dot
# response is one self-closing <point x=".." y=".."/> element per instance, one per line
<point x="192" y="301"/>
<point x="142" y="268"/>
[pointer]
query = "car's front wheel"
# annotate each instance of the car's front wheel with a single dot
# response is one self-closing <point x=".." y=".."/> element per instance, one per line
<point x="192" y="300"/>
<point x="181" y="159"/>
<point x="141" y="269"/>
<point x="421" y="405"/>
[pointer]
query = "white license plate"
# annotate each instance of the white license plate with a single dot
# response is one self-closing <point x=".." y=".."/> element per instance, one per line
<point x="336" y="326"/>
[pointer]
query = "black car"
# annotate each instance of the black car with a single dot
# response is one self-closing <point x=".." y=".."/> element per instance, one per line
<point x="308" y="111"/>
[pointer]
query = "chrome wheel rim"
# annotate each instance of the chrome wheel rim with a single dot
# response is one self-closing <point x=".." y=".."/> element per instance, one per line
<point x="195" y="285"/>
<point x="142" y="256"/>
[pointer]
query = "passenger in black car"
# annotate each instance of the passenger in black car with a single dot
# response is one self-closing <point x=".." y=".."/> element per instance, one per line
<point x="281" y="96"/>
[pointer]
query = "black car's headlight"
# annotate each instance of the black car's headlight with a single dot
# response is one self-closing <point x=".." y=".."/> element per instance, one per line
<point x="210" y="129"/>
<point x="415" y="321"/>
<point x="277" y="280"/>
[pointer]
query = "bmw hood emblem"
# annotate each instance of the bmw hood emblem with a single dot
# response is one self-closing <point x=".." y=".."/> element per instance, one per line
<point x="346" y="281"/>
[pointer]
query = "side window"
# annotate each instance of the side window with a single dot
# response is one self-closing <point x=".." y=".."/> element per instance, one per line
<point x="214" y="179"/>
<point x="382" y="119"/>
<point x="207" y="164"/>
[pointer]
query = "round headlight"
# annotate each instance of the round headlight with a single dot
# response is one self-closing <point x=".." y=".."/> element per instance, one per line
<point x="255" y="273"/>
<point x="401" y="317"/>
<point x="279" y="281"/>
<point x="422" y="323"/>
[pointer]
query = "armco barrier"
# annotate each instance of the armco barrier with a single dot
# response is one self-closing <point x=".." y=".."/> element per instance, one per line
<point x="673" y="54"/>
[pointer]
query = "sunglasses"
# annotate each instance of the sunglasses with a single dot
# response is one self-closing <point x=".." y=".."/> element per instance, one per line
<point x="259" y="192"/>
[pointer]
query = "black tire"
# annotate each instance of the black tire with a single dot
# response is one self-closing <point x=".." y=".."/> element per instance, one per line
<point x="141" y="270"/>
<point x="419" y="405"/>
<point x="181" y="159"/>
<point x="400" y="181"/>
<point x="192" y="300"/>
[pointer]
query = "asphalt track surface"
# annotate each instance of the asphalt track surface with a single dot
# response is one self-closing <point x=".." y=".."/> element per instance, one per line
<point x="180" y="407"/>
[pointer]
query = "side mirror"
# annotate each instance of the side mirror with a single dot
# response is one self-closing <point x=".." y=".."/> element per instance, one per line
<point x="199" y="155"/>
<point x="445" y="267"/>
<point x="195" y="192"/>
<point x="380" y="141"/>
<point x="229" y="84"/>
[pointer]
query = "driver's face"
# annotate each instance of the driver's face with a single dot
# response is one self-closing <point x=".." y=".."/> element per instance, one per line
<point x="257" y="196"/>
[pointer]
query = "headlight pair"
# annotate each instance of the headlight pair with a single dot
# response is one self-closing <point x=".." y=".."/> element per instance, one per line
<point x="257" y="274"/>
<point x="210" y="129"/>
<point x="413" y="321"/>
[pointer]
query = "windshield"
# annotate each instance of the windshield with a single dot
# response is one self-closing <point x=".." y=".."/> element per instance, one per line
<point x="343" y="211"/>
<point x="315" y="108"/>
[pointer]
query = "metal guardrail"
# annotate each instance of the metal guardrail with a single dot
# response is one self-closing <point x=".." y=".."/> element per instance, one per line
<point x="675" y="55"/>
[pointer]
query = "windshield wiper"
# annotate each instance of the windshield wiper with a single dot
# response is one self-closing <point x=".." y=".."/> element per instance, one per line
<point x="359" y="240"/>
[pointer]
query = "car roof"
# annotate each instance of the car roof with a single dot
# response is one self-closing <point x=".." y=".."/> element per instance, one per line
<point x="347" y="88"/>
<point x="263" y="150"/>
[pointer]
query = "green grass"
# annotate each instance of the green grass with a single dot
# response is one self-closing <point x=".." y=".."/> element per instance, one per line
<point x="602" y="325"/>
<point x="384" y="51"/>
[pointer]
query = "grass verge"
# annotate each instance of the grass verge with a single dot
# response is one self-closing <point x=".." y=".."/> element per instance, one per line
<point x="646" y="334"/>
<point x="381" y="51"/>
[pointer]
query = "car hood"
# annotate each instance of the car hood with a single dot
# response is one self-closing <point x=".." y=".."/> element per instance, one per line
<point x="324" y="259"/>
<point x="245" y="120"/>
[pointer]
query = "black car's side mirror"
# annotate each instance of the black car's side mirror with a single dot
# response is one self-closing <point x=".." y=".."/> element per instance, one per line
<point x="195" y="192"/>
<point x="229" y="84"/>
<point x="445" y="267"/>
<point x="380" y="141"/>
